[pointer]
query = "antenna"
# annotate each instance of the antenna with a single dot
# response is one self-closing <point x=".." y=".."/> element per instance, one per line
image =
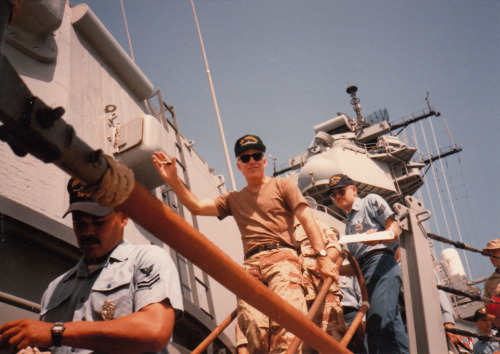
<point x="230" y="170"/>
<point x="351" y="90"/>
<point x="126" y="29"/>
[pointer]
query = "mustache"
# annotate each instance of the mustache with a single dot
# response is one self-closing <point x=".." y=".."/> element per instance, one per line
<point x="89" y="239"/>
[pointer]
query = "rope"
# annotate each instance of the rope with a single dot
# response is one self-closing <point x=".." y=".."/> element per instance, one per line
<point x="126" y="29"/>
<point x="435" y="182"/>
<point x="116" y="185"/>
<point x="460" y="245"/>
<point x="480" y="336"/>
<point x="214" y="100"/>
<point x="463" y="293"/>
<point x="420" y="195"/>
<point x="449" y="196"/>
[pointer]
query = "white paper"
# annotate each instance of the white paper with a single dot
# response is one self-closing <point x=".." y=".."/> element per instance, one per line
<point x="375" y="236"/>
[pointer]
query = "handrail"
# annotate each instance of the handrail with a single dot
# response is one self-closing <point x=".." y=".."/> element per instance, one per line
<point x="215" y="333"/>
<point x="318" y="301"/>
<point x="19" y="302"/>
<point x="365" y="305"/>
<point x="322" y="294"/>
<point x="311" y="313"/>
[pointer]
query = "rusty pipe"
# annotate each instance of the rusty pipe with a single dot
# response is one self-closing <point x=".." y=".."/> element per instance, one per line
<point x="215" y="333"/>
<point x="167" y="226"/>
<point x="365" y="300"/>
<point x="318" y="301"/>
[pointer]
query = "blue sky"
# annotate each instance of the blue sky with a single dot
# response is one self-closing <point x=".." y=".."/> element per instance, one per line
<point x="280" y="67"/>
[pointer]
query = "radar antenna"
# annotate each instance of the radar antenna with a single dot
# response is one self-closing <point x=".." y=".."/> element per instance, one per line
<point x="351" y="90"/>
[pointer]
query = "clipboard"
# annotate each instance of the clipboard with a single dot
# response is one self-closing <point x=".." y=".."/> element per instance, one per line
<point x="375" y="236"/>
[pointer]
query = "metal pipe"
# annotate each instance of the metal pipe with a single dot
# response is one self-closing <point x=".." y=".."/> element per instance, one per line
<point x="216" y="106"/>
<point x="215" y="333"/>
<point x="364" y="305"/>
<point x="318" y="301"/>
<point x="19" y="302"/>
<point x="172" y="229"/>
<point x="126" y="29"/>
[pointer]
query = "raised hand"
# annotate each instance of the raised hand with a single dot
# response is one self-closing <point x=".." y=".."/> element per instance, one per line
<point x="165" y="166"/>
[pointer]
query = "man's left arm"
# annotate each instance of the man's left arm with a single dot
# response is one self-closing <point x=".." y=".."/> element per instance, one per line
<point x="326" y="265"/>
<point x="148" y="329"/>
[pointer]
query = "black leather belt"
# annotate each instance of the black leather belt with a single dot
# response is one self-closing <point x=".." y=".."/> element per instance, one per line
<point x="267" y="247"/>
<point x="370" y="254"/>
<point x="348" y="309"/>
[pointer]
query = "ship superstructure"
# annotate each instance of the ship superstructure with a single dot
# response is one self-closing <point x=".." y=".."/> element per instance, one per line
<point x="371" y="151"/>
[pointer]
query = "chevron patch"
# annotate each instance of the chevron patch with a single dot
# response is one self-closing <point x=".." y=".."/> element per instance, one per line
<point x="148" y="284"/>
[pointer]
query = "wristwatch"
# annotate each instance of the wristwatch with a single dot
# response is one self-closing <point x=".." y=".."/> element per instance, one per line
<point x="321" y="253"/>
<point x="57" y="331"/>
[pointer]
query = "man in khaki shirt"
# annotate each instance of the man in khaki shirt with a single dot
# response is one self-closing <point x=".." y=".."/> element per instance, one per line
<point x="264" y="211"/>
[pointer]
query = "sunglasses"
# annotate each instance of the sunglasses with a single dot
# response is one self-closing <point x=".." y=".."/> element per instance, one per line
<point x="257" y="156"/>
<point x="338" y="192"/>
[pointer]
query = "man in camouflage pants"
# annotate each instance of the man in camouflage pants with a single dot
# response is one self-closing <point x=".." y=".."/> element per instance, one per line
<point x="264" y="211"/>
<point x="329" y="316"/>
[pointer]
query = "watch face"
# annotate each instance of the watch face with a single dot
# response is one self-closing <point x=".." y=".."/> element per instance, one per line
<point x="56" y="332"/>
<point x="57" y="328"/>
<point x="322" y="253"/>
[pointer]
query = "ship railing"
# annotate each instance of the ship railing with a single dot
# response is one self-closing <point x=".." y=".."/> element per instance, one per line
<point x="379" y="147"/>
<point x="377" y="117"/>
<point x="320" y="298"/>
<point x="19" y="302"/>
<point x="159" y="109"/>
<point x="443" y="152"/>
<point x="402" y="123"/>
<point x="330" y="211"/>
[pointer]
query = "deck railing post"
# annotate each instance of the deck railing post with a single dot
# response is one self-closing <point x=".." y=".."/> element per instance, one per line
<point x="423" y="311"/>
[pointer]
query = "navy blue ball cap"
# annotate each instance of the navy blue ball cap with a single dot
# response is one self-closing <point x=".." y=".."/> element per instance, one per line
<point x="79" y="200"/>
<point x="480" y="314"/>
<point x="339" y="181"/>
<point x="248" y="142"/>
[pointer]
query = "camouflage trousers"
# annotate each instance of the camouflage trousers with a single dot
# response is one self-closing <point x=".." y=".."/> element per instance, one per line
<point x="280" y="271"/>
<point x="329" y="317"/>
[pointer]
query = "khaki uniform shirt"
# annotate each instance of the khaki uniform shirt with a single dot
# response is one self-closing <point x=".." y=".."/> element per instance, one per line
<point x="266" y="216"/>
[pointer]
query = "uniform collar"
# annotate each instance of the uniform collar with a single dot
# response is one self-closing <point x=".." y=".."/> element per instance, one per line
<point x="119" y="254"/>
<point x="356" y="205"/>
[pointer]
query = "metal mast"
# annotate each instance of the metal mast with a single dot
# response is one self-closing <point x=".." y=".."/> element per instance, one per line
<point x="228" y="162"/>
<point x="351" y="90"/>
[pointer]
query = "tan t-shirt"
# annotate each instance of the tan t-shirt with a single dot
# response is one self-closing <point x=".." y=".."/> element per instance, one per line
<point x="266" y="216"/>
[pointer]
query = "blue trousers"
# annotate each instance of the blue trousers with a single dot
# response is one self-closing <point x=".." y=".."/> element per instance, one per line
<point x="384" y="326"/>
